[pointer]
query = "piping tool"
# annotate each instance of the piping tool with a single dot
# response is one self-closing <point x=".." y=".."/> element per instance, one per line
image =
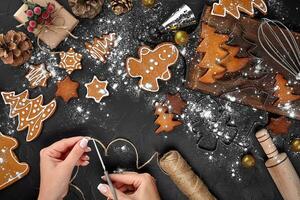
<point x="112" y="189"/>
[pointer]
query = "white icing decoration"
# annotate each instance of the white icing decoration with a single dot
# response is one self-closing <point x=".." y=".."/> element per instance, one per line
<point x="37" y="75"/>
<point x="29" y="103"/>
<point x="102" y="91"/>
<point x="142" y="50"/>
<point x="99" y="50"/>
<point x="17" y="175"/>
<point x="262" y="7"/>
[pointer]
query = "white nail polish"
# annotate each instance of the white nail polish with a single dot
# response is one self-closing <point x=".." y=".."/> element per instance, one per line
<point x="102" y="188"/>
<point x="83" y="143"/>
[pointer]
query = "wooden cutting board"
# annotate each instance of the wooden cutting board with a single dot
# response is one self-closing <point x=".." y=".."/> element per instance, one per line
<point x="255" y="84"/>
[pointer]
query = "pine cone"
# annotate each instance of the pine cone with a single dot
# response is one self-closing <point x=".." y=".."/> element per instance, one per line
<point x="86" y="8"/>
<point x="121" y="6"/>
<point x="15" y="48"/>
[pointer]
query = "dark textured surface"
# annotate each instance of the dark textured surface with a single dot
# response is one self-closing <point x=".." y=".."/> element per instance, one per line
<point x="128" y="113"/>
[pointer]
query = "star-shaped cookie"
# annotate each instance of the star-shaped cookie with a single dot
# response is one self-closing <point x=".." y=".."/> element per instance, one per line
<point x="67" y="89"/>
<point x="96" y="89"/>
<point x="70" y="60"/>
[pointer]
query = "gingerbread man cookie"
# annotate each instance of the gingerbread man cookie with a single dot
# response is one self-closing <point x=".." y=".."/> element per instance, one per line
<point x="31" y="113"/>
<point x="70" y="60"/>
<point x="96" y="89"/>
<point x="153" y="65"/>
<point x="11" y="170"/>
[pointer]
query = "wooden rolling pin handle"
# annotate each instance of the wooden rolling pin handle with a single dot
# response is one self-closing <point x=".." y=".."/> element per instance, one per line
<point x="280" y="168"/>
<point x="266" y="142"/>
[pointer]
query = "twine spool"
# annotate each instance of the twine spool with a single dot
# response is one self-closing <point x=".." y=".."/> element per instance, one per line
<point x="183" y="177"/>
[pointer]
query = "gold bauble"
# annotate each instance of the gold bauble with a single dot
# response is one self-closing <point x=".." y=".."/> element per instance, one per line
<point x="181" y="37"/>
<point x="295" y="145"/>
<point x="148" y="3"/>
<point x="248" y="161"/>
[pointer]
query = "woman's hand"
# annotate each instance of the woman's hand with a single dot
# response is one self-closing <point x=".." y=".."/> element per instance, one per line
<point x="131" y="186"/>
<point x="57" y="163"/>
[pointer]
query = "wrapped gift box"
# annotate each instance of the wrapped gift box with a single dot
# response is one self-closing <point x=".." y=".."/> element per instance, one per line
<point x="63" y="23"/>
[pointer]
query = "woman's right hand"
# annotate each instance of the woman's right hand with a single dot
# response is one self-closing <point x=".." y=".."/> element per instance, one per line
<point x="131" y="186"/>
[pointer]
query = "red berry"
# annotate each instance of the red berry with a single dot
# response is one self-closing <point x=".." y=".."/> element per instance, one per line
<point x="45" y="15"/>
<point x="32" y="23"/>
<point x="29" y="13"/>
<point x="40" y="20"/>
<point x="30" y="29"/>
<point x="50" y="8"/>
<point x="37" y="10"/>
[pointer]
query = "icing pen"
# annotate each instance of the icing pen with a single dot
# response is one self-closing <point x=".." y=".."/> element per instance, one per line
<point x="112" y="189"/>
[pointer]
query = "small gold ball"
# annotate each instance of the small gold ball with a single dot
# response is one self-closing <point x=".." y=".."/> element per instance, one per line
<point x="148" y="3"/>
<point x="248" y="161"/>
<point x="181" y="37"/>
<point x="295" y="144"/>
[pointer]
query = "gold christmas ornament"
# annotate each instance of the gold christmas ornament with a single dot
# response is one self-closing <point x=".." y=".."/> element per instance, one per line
<point x="295" y="145"/>
<point x="148" y="3"/>
<point x="15" y="48"/>
<point x="86" y="8"/>
<point x="248" y="161"/>
<point x="121" y="6"/>
<point x="181" y="37"/>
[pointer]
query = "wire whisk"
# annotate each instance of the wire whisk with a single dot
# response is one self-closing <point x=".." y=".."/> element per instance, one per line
<point x="281" y="45"/>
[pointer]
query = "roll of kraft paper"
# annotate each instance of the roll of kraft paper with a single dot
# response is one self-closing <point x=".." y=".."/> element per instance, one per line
<point x="183" y="176"/>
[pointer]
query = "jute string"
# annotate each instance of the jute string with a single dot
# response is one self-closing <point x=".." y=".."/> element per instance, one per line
<point x="184" y="178"/>
<point x="172" y="164"/>
<point x="106" y="148"/>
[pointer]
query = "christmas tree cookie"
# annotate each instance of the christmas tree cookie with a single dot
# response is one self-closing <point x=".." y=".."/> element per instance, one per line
<point x="31" y="113"/>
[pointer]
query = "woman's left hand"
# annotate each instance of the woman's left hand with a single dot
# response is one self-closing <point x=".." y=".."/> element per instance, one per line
<point x="57" y="163"/>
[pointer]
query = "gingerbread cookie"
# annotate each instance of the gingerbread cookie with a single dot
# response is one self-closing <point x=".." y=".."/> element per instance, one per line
<point x="100" y="48"/>
<point x="217" y="57"/>
<point x="96" y="89"/>
<point x="38" y="75"/>
<point x="31" y="113"/>
<point x="233" y="7"/>
<point x="67" y="89"/>
<point x="279" y="126"/>
<point x="11" y="170"/>
<point x="284" y="92"/>
<point x="164" y="120"/>
<point x="177" y="103"/>
<point x="152" y="65"/>
<point x="70" y="60"/>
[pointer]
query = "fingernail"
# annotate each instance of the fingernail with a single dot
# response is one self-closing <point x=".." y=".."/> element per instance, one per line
<point x="86" y="157"/>
<point x="83" y="143"/>
<point x="102" y="188"/>
<point x="85" y="163"/>
<point x="103" y="177"/>
<point x="88" y="149"/>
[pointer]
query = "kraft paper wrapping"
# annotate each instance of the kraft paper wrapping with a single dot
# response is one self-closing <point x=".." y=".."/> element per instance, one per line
<point x="63" y="23"/>
<point x="184" y="178"/>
